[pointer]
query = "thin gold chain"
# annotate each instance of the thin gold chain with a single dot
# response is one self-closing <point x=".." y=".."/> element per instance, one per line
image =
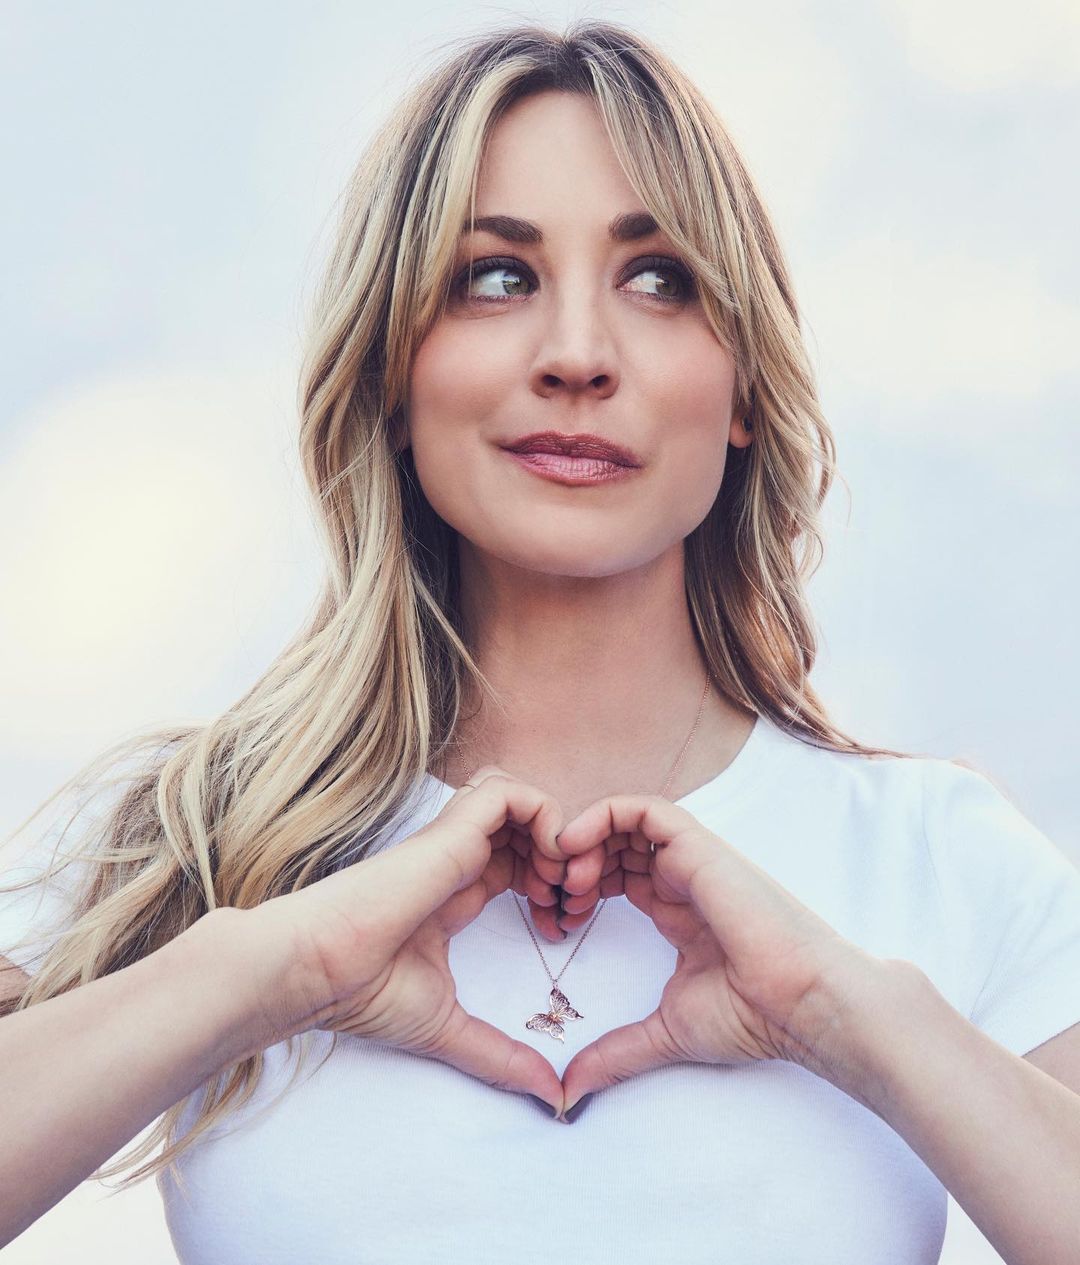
<point x="663" y="791"/>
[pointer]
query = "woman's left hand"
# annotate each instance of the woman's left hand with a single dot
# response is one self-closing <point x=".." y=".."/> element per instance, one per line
<point x="758" y="974"/>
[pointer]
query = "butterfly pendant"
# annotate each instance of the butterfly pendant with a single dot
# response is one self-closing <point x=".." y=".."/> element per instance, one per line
<point x="559" y="1010"/>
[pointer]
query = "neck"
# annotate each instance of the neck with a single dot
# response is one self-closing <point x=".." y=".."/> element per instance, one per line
<point x="600" y="677"/>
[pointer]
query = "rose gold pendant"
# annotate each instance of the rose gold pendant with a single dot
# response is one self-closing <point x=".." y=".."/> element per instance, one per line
<point x="559" y="1011"/>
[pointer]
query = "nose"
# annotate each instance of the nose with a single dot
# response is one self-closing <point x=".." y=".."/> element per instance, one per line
<point x="576" y="356"/>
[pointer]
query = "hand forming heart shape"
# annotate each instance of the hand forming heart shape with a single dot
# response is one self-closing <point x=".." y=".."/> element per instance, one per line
<point x="759" y="975"/>
<point x="364" y="950"/>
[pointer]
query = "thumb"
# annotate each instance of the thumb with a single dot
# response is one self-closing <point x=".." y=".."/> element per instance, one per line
<point x="486" y="1052"/>
<point x="616" y="1056"/>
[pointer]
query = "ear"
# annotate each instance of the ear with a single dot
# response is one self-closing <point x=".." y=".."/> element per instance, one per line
<point x="740" y="433"/>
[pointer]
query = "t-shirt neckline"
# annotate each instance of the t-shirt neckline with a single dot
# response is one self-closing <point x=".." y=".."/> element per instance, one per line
<point x="736" y="774"/>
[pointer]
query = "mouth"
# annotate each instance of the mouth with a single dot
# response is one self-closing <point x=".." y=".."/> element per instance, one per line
<point x="561" y="468"/>
<point x="581" y="446"/>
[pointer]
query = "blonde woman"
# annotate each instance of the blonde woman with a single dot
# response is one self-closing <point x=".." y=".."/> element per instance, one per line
<point x="594" y="937"/>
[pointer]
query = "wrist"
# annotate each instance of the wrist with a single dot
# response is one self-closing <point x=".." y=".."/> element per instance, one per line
<point x="250" y="973"/>
<point x="846" y="1028"/>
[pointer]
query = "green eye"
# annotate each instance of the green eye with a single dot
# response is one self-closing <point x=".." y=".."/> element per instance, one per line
<point x="675" y="282"/>
<point x="481" y="281"/>
<point x="510" y="286"/>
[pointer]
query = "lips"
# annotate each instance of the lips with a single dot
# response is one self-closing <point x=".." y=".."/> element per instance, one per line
<point x="577" y="445"/>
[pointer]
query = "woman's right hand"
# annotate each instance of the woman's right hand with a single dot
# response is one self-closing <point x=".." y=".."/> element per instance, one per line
<point x="364" y="951"/>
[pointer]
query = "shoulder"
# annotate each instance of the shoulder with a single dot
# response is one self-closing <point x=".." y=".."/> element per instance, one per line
<point x="944" y="807"/>
<point x="814" y="773"/>
<point x="927" y="780"/>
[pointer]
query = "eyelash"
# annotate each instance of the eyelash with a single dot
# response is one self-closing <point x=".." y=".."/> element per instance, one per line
<point x="659" y="263"/>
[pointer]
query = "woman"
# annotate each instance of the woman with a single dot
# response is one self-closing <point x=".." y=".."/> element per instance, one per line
<point x="560" y="423"/>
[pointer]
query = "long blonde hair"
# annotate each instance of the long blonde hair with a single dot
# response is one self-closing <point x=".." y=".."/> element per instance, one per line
<point x="313" y="767"/>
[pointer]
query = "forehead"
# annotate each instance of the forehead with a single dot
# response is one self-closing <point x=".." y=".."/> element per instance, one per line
<point x="549" y="156"/>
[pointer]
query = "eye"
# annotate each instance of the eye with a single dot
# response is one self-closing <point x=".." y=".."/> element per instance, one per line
<point x="496" y="290"/>
<point x="675" y="284"/>
<point x="481" y="282"/>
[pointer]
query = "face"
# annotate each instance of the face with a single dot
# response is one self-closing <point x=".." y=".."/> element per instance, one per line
<point x="571" y="331"/>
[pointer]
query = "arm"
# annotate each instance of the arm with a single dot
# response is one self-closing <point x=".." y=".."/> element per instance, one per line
<point x="84" y="1072"/>
<point x="362" y="950"/>
<point x="1001" y="1135"/>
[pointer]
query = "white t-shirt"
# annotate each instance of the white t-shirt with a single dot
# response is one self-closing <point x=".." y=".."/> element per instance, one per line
<point x="380" y="1157"/>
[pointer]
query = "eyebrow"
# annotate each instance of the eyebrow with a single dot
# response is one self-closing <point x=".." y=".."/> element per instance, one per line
<point x="623" y="228"/>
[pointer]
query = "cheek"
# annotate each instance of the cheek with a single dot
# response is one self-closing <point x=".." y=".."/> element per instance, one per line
<point x="690" y="395"/>
<point x="455" y="382"/>
<point x="463" y="397"/>
<point x="457" y="408"/>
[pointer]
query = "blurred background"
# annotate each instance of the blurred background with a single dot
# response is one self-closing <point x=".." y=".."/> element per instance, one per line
<point x="169" y="176"/>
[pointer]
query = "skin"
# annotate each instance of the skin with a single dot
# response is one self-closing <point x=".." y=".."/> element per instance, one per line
<point x="364" y="950"/>
<point x="550" y="574"/>
<point x="573" y="597"/>
<point x="561" y="586"/>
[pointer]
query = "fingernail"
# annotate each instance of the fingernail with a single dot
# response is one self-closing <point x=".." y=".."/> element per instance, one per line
<point x="577" y="1109"/>
<point x="545" y="1107"/>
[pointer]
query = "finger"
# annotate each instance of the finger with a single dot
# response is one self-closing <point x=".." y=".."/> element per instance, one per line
<point x="613" y="884"/>
<point x="550" y="871"/>
<point x="464" y="906"/>
<point x="571" y="922"/>
<point x="639" y="891"/>
<point x="545" y="921"/>
<point x="495" y="799"/>
<point x="391" y="893"/>
<point x="581" y="903"/>
<point x="539" y="892"/>
<point x="397" y="889"/>
<point x="610" y="884"/>
<point x="657" y="819"/>
<point x="639" y="842"/>
<point x="480" y="1049"/>
<point x="678" y="922"/>
<point x="518" y="881"/>
<point x="520" y="839"/>
<point x="583" y="872"/>
<point x="485" y="771"/>
<point x="521" y="844"/>
<point x="618" y="1055"/>
<point x="636" y="862"/>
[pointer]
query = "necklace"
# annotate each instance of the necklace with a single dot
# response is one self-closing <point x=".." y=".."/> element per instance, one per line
<point x="559" y="1010"/>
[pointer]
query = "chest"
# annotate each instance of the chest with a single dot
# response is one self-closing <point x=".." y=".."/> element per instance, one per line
<point x="382" y="1156"/>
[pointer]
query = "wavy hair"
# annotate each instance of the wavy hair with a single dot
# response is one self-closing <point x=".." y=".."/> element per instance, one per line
<point x="313" y="767"/>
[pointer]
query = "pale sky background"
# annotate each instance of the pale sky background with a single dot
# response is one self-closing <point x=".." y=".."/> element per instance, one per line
<point x="169" y="172"/>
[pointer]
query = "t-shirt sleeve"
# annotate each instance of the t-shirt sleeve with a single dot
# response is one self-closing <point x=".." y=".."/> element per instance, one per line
<point x="1012" y="900"/>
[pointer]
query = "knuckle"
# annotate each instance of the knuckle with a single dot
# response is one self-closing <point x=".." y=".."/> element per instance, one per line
<point x="663" y="1045"/>
<point x="504" y="1079"/>
<point x="489" y="771"/>
<point x="608" y="1070"/>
